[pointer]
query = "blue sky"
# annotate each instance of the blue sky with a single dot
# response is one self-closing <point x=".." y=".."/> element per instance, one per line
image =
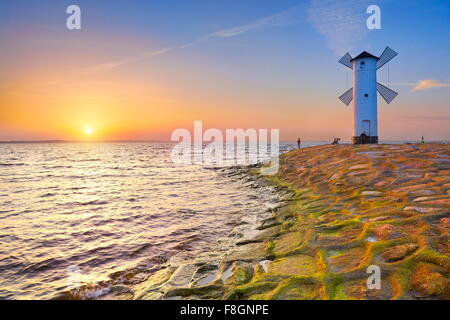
<point x="275" y="61"/>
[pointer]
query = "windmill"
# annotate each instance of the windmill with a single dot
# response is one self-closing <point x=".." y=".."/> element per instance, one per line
<point x="364" y="93"/>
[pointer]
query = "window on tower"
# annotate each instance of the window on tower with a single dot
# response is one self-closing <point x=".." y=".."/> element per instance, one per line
<point x="366" y="95"/>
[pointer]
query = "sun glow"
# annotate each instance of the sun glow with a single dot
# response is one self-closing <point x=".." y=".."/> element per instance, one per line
<point x="88" y="130"/>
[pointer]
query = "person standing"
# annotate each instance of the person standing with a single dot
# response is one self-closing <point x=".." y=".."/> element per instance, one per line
<point x="299" y="142"/>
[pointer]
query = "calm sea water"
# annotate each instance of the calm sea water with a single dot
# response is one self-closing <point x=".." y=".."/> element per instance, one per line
<point x="106" y="209"/>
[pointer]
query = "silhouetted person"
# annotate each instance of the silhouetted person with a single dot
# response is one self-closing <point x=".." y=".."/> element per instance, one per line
<point x="422" y="140"/>
<point x="299" y="142"/>
<point x="363" y="138"/>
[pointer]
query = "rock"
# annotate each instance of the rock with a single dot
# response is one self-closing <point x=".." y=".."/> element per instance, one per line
<point x="152" y="283"/>
<point x="445" y="202"/>
<point x="152" y="295"/>
<point x="423" y="193"/>
<point x="334" y="177"/>
<point x="423" y="199"/>
<point x="119" y="288"/>
<point x="382" y="183"/>
<point x="348" y="260"/>
<point x="381" y="218"/>
<point x="422" y="210"/>
<point x="372" y="193"/>
<point x="301" y="265"/>
<point x="297" y="289"/>
<point x="287" y="243"/>
<point x="427" y="283"/>
<point x="398" y="252"/>
<point x="357" y="289"/>
<point x="413" y="189"/>
<point x="248" y="252"/>
<point x="359" y="166"/>
<point x="183" y="275"/>
<point x="205" y="275"/>
<point x="241" y="273"/>
<point x="259" y="235"/>
<point x="383" y="232"/>
<point x="268" y="223"/>
<point x="264" y="264"/>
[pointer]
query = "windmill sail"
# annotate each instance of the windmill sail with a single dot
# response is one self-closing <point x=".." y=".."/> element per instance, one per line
<point x="387" y="55"/>
<point x="347" y="97"/>
<point x="346" y="60"/>
<point x="387" y="94"/>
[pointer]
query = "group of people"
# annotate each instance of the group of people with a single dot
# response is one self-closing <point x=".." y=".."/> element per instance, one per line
<point x="364" y="140"/>
<point x="335" y="141"/>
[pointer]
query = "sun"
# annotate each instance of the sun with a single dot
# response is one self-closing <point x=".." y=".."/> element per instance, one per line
<point x="88" y="130"/>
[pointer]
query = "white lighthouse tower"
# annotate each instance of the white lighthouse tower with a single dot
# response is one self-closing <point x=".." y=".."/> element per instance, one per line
<point x="364" y="93"/>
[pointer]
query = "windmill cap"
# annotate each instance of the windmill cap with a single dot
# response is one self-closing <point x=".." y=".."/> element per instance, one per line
<point x="364" y="54"/>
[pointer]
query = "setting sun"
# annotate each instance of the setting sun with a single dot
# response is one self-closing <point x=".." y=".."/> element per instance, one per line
<point x="88" y="130"/>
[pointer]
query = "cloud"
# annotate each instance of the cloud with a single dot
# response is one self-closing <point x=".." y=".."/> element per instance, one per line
<point x="428" y="84"/>
<point x="115" y="64"/>
<point x="423" y="84"/>
<point x="283" y="18"/>
<point x="343" y="23"/>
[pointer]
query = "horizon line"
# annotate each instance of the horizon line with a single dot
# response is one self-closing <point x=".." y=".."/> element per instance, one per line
<point x="168" y="141"/>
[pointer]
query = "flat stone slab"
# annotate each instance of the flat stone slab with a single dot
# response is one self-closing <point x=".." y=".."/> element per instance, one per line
<point x="423" y="209"/>
<point x="183" y="275"/>
<point x="372" y="193"/>
<point x="398" y="252"/>
<point x="247" y="252"/>
<point x="359" y="167"/>
<point x="424" y="199"/>
<point x="300" y="265"/>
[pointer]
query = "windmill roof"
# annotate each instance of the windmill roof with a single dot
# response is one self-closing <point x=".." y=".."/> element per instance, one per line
<point x="365" y="54"/>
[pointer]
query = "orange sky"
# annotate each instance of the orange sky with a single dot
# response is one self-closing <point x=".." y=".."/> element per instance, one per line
<point x="134" y="86"/>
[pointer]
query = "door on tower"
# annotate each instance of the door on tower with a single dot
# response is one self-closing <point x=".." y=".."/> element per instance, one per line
<point x="366" y="127"/>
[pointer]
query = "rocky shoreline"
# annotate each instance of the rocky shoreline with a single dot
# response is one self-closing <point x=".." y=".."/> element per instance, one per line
<point x="343" y="208"/>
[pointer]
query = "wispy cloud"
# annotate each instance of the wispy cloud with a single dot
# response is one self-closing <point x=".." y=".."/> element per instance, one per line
<point x="428" y="84"/>
<point x="115" y="64"/>
<point x="343" y="23"/>
<point x="283" y="18"/>
<point x="423" y="84"/>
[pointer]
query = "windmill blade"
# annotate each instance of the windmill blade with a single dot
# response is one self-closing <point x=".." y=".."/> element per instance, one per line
<point x="347" y="97"/>
<point x="346" y="60"/>
<point x="387" y="94"/>
<point x="387" y="55"/>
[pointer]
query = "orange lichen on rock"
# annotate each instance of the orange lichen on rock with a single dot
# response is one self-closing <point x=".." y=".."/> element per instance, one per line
<point x="426" y="283"/>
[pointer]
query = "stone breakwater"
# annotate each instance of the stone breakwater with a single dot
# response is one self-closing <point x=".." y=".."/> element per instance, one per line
<point x="344" y="208"/>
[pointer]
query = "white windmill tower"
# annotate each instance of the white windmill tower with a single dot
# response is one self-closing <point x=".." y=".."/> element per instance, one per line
<point x="364" y="93"/>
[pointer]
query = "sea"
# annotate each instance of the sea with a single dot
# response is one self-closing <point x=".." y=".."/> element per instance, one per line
<point x="104" y="211"/>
